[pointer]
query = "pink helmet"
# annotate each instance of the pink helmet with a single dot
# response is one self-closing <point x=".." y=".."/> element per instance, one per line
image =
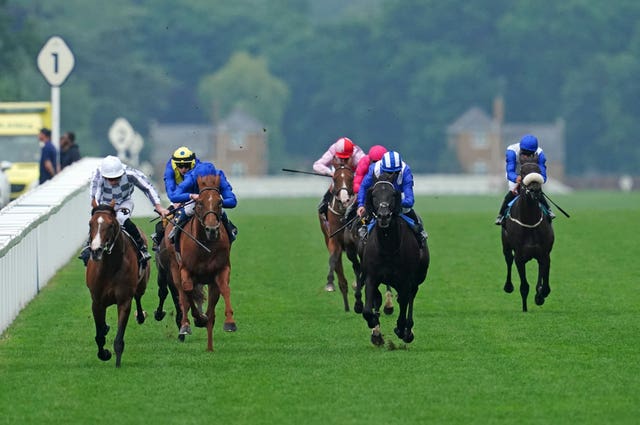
<point x="344" y="148"/>
<point x="376" y="152"/>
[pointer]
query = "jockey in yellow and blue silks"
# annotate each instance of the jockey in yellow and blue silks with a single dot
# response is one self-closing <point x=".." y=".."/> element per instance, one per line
<point x="402" y="179"/>
<point x="525" y="150"/>
<point x="188" y="191"/>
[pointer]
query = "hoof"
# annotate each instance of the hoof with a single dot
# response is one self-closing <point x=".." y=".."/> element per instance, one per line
<point x="229" y="327"/>
<point x="140" y="318"/>
<point x="508" y="287"/>
<point x="200" y="321"/>
<point x="358" y="307"/>
<point x="408" y="338"/>
<point x="539" y="299"/>
<point x="388" y="310"/>
<point x="181" y="337"/>
<point x="104" y="355"/>
<point x="159" y="315"/>
<point x="185" y="330"/>
<point x="377" y="340"/>
<point x="329" y="287"/>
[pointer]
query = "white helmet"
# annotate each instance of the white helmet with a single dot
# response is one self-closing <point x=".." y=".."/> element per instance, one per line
<point x="111" y="167"/>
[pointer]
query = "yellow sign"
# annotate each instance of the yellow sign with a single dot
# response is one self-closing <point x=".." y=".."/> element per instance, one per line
<point x="20" y="124"/>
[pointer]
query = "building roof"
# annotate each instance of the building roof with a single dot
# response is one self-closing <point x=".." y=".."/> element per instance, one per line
<point x="239" y="120"/>
<point x="168" y="137"/>
<point x="475" y="119"/>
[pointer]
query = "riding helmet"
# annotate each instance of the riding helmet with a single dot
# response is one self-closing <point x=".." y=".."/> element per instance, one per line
<point x="344" y="148"/>
<point x="183" y="156"/>
<point x="111" y="167"/>
<point x="391" y="162"/>
<point x="376" y="152"/>
<point x="529" y="143"/>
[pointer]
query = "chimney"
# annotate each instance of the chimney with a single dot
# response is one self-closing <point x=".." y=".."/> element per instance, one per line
<point x="498" y="109"/>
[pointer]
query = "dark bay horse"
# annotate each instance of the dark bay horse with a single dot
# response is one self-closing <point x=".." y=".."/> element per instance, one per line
<point x="113" y="276"/>
<point x="342" y="197"/>
<point x="393" y="255"/>
<point x="204" y="260"/>
<point x="527" y="234"/>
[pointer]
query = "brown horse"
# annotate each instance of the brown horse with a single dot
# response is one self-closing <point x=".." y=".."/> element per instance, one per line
<point x="342" y="197"/>
<point x="204" y="259"/>
<point x="113" y="276"/>
<point x="527" y="234"/>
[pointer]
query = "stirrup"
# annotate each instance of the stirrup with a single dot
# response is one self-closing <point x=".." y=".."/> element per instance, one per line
<point x="499" y="220"/>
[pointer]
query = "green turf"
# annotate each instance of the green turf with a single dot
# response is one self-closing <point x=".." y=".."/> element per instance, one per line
<point x="297" y="358"/>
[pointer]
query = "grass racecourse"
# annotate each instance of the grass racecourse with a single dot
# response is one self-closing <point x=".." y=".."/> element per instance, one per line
<point x="297" y="358"/>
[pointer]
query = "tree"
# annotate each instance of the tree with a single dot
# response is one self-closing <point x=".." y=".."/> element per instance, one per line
<point x="246" y="83"/>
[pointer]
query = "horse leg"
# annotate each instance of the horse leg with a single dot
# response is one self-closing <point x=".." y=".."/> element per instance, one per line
<point x="175" y="296"/>
<point x="99" y="319"/>
<point x="368" y="312"/>
<point x="163" y="291"/>
<point x="524" y="285"/>
<point x="508" y="258"/>
<point x="124" y="309"/>
<point x="342" y="281"/>
<point x="542" y="288"/>
<point x="141" y="315"/>
<point x="185" y="326"/>
<point x="404" y="325"/>
<point x="388" y="302"/>
<point x="223" y="288"/>
<point x="330" y="286"/>
<point x="188" y="286"/>
<point x="214" y="296"/>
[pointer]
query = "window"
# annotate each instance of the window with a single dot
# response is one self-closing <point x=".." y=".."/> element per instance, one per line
<point x="479" y="140"/>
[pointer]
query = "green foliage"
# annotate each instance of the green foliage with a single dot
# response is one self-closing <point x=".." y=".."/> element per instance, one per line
<point x="298" y="358"/>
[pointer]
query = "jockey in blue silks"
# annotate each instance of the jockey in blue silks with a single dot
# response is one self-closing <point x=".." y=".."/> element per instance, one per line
<point x="188" y="191"/>
<point x="525" y="150"/>
<point x="402" y="179"/>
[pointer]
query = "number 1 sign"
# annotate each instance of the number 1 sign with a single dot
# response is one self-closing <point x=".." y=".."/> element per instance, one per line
<point x="55" y="61"/>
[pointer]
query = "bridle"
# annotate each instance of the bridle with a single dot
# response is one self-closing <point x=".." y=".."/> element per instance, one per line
<point x="335" y="192"/>
<point x="532" y="193"/>
<point x="107" y="247"/>
<point x="203" y="216"/>
<point x="383" y="207"/>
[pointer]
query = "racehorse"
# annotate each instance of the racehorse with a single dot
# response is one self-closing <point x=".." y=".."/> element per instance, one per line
<point x="113" y="276"/>
<point x="393" y="255"/>
<point x="333" y="229"/>
<point x="527" y="234"/>
<point x="204" y="259"/>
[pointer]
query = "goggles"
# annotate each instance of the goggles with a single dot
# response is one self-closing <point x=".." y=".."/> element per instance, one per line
<point x="183" y="164"/>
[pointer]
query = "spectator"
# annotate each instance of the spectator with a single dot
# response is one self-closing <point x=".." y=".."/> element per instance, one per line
<point x="48" y="156"/>
<point x="69" y="151"/>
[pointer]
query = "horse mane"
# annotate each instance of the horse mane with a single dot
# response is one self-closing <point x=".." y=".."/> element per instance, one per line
<point x="209" y="180"/>
<point x="103" y="207"/>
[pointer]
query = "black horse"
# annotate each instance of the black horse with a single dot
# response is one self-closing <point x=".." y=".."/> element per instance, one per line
<point x="393" y="255"/>
<point x="527" y="234"/>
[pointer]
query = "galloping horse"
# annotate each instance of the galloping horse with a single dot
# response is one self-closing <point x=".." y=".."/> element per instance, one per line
<point x="204" y="259"/>
<point x="113" y="276"/>
<point x="527" y="233"/>
<point x="393" y="255"/>
<point x="334" y="237"/>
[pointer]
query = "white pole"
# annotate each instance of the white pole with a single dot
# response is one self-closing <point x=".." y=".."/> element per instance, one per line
<point x="55" y="121"/>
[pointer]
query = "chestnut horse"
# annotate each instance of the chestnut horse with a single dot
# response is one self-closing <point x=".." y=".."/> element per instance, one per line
<point x="113" y="276"/>
<point x="393" y="255"/>
<point x="527" y="234"/>
<point x="204" y="259"/>
<point x="342" y="197"/>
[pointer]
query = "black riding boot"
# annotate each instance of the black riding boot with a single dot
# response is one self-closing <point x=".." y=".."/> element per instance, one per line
<point x="85" y="253"/>
<point x="550" y="213"/>
<point x="418" y="227"/>
<point x="132" y="229"/>
<point x="158" y="235"/>
<point x="232" y="230"/>
<point x="507" y="198"/>
<point x="324" y="204"/>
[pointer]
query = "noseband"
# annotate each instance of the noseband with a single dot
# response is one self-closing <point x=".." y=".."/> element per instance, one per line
<point x="108" y="246"/>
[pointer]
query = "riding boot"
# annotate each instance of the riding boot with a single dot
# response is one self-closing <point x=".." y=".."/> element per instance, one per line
<point x="503" y="208"/>
<point x="545" y="204"/>
<point x="132" y="229"/>
<point x="85" y="253"/>
<point x="157" y="236"/>
<point x="232" y="230"/>
<point x="418" y="227"/>
<point x="323" y="207"/>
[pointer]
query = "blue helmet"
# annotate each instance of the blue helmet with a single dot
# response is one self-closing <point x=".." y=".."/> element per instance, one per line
<point x="529" y="142"/>
<point x="391" y="162"/>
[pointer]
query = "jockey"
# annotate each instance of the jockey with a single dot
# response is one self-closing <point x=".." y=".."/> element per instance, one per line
<point x="526" y="150"/>
<point x="402" y="179"/>
<point x="113" y="181"/>
<point x="182" y="161"/>
<point x="342" y="152"/>
<point x="374" y="155"/>
<point x="188" y="191"/>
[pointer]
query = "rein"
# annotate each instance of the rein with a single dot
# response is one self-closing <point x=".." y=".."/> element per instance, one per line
<point x="332" y="206"/>
<point x="108" y="248"/>
<point x="206" y="213"/>
<point x="528" y="226"/>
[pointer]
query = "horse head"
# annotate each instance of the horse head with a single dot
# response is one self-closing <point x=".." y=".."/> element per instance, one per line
<point x="103" y="230"/>
<point x="385" y="202"/>
<point x="208" y="207"/>
<point x="532" y="181"/>
<point x="343" y="186"/>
